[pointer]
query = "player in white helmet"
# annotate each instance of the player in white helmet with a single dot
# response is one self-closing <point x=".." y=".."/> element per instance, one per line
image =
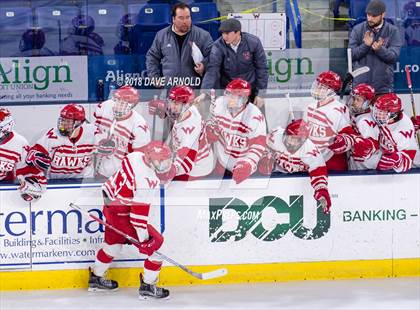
<point x="129" y="195"/>
<point x="122" y="129"/>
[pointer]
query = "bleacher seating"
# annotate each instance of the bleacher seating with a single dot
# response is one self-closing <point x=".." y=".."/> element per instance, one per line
<point x="409" y="13"/>
<point x="14" y="21"/>
<point x="203" y="11"/>
<point x="151" y="18"/>
<point x="56" y="23"/>
<point x="357" y="11"/>
<point x="107" y="17"/>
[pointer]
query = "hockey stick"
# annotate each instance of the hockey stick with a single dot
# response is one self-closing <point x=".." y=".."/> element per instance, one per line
<point x="291" y="114"/>
<point x="202" y="276"/>
<point x="348" y="80"/>
<point x="410" y="87"/>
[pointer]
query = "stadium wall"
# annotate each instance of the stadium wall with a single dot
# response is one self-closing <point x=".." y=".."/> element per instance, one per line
<point x="263" y="230"/>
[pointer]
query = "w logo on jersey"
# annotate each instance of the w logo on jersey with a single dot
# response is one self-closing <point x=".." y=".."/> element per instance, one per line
<point x="341" y="109"/>
<point x="370" y="123"/>
<point x="144" y="127"/>
<point x="259" y="118"/>
<point x="51" y="134"/>
<point x="313" y="153"/>
<point x="407" y="134"/>
<point x="188" y="130"/>
<point x="152" y="183"/>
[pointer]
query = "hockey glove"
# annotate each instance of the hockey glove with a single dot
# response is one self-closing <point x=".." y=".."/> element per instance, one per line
<point x="416" y="122"/>
<point x="106" y="147"/>
<point x="241" y="171"/>
<point x="38" y="159"/>
<point x="157" y="107"/>
<point x="389" y="161"/>
<point x="266" y="165"/>
<point x="153" y="244"/>
<point x="363" y="148"/>
<point x="166" y="177"/>
<point x="30" y="189"/>
<point x="212" y="132"/>
<point x="323" y="197"/>
<point x="342" y="143"/>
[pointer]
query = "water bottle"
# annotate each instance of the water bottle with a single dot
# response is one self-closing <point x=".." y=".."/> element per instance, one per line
<point x="112" y="88"/>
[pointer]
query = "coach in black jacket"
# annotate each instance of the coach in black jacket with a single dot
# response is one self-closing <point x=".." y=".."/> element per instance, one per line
<point x="237" y="55"/>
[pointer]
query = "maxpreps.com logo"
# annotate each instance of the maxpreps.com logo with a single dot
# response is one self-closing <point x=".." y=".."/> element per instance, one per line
<point x="21" y="74"/>
<point x="268" y="219"/>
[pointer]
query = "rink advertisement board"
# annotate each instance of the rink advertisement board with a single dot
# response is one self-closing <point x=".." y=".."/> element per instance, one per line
<point x="50" y="235"/>
<point x="216" y="222"/>
<point x="41" y="79"/>
<point x="294" y="70"/>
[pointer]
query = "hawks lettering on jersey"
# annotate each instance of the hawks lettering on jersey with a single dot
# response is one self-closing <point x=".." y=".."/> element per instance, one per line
<point x="242" y="137"/>
<point x="306" y="159"/>
<point x="194" y="155"/>
<point x="129" y="133"/>
<point x="325" y="122"/>
<point x="69" y="158"/>
<point x="12" y="153"/>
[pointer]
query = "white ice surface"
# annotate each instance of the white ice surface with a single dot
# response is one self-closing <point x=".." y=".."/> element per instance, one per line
<point x="369" y="294"/>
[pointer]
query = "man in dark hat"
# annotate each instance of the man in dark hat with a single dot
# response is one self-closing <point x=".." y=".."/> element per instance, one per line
<point x="234" y="55"/>
<point x="376" y="44"/>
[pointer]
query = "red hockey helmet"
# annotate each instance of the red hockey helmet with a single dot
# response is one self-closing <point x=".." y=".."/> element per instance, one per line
<point x="295" y="135"/>
<point x="360" y="98"/>
<point x="236" y="95"/>
<point x="180" y="99"/>
<point x="327" y="84"/>
<point x="71" y="117"/>
<point x="160" y="155"/>
<point x="125" y="99"/>
<point x="239" y="87"/>
<point x="386" y="108"/>
<point x="6" y="123"/>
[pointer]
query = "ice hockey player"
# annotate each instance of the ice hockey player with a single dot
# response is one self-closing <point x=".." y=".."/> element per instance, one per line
<point x="238" y="131"/>
<point x="289" y="150"/>
<point x="194" y="156"/>
<point x="122" y="130"/>
<point x="364" y="140"/>
<point x="70" y="146"/>
<point x="13" y="151"/>
<point x="397" y="140"/>
<point x="128" y="197"/>
<point x="327" y="117"/>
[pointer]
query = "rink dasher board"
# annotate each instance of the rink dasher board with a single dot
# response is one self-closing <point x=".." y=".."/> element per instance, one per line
<point x="213" y="223"/>
<point x="259" y="221"/>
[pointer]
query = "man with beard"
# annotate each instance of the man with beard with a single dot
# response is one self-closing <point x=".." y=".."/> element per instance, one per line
<point x="376" y="44"/>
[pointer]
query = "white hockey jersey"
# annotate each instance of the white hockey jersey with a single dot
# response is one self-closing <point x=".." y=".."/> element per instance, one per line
<point x="70" y="158"/>
<point x="306" y="159"/>
<point x="398" y="137"/>
<point x="365" y="127"/>
<point x="134" y="183"/>
<point x="325" y="122"/>
<point x="242" y="137"/>
<point x="194" y="155"/>
<point x="129" y="133"/>
<point x="13" y="151"/>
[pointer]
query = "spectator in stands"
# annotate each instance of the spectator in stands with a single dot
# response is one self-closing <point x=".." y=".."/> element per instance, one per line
<point x="126" y="35"/>
<point x="171" y="52"/>
<point x="82" y="40"/>
<point x="236" y="55"/>
<point x="32" y="44"/>
<point x="376" y="43"/>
